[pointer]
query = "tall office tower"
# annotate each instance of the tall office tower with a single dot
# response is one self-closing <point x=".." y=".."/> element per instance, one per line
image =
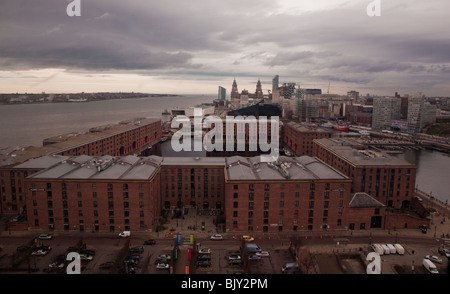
<point x="385" y="109"/>
<point x="275" y="82"/>
<point x="222" y="93"/>
<point x="420" y="114"/>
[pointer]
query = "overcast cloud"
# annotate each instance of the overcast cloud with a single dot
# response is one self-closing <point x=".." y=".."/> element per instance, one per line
<point x="194" y="46"/>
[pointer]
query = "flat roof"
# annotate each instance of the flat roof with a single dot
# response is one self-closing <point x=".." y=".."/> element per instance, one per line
<point x="307" y="128"/>
<point x="345" y="150"/>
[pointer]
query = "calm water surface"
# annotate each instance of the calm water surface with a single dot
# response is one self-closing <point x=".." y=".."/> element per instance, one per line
<point x="25" y="125"/>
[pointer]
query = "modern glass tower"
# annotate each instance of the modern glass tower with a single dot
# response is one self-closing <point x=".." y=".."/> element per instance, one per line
<point x="222" y="93"/>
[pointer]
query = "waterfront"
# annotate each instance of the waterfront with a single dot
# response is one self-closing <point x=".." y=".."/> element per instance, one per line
<point x="433" y="168"/>
<point x="28" y="124"/>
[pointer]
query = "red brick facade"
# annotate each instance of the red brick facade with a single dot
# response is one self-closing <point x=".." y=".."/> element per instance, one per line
<point x="390" y="183"/>
<point x="85" y="205"/>
<point x="286" y="205"/>
<point x="300" y="137"/>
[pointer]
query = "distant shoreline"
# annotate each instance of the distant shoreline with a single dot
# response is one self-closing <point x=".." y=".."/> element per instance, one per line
<point x="18" y="99"/>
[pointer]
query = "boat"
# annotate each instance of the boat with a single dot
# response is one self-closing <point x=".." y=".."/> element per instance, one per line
<point x="327" y="125"/>
<point x="77" y="100"/>
<point x="341" y="126"/>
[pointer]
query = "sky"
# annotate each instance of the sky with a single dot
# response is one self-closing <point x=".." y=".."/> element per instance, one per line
<point x="192" y="47"/>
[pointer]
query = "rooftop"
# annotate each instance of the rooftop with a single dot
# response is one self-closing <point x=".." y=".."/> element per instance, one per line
<point x="346" y="150"/>
<point x="307" y="128"/>
<point x="289" y="168"/>
<point x="363" y="200"/>
<point x="104" y="167"/>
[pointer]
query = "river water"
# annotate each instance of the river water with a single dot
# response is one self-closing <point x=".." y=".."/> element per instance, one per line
<point x="433" y="172"/>
<point x="28" y="124"/>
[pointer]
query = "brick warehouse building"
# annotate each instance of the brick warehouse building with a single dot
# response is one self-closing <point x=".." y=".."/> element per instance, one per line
<point x="388" y="179"/>
<point x="289" y="195"/>
<point x="95" y="194"/>
<point x="106" y="193"/>
<point x="126" y="137"/>
<point x="299" y="137"/>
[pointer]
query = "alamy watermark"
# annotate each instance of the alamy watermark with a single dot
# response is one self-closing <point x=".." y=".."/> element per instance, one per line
<point x="74" y="267"/>
<point x="374" y="267"/>
<point x="257" y="135"/>
<point x="374" y="8"/>
<point x="74" y="8"/>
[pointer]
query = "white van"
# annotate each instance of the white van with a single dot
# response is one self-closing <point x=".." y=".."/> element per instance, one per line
<point x="125" y="234"/>
<point x="400" y="249"/>
<point x="386" y="249"/>
<point x="378" y="249"/>
<point x="429" y="266"/>
<point x="391" y="248"/>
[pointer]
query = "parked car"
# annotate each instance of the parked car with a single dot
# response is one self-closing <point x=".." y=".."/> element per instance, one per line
<point x="162" y="259"/>
<point x="263" y="254"/>
<point x="133" y="259"/>
<point x="204" y="251"/>
<point x="162" y="266"/>
<point x="444" y="251"/>
<point x="248" y="238"/>
<point x="137" y="249"/>
<point x="234" y="257"/>
<point x="45" y="237"/>
<point x="86" y="257"/>
<point x="39" y="252"/>
<point x="56" y="265"/>
<point x="203" y="263"/>
<point x="203" y="226"/>
<point x="164" y="256"/>
<point x="216" y="237"/>
<point x="125" y="234"/>
<point x="254" y="257"/>
<point x="106" y="265"/>
<point x="150" y="242"/>
<point x="204" y="257"/>
<point x="423" y="228"/>
<point x="235" y="262"/>
<point x="434" y="258"/>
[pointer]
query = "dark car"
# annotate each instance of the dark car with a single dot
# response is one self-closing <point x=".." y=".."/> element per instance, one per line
<point x="134" y="259"/>
<point x="150" y="242"/>
<point x="235" y="262"/>
<point x="88" y="252"/>
<point x="137" y="249"/>
<point x="423" y="228"/>
<point x="203" y="263"/>
<point x="204" y="257"/>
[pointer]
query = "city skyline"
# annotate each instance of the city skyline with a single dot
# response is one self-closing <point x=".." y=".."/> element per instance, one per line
<point x="170" y="47"/>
